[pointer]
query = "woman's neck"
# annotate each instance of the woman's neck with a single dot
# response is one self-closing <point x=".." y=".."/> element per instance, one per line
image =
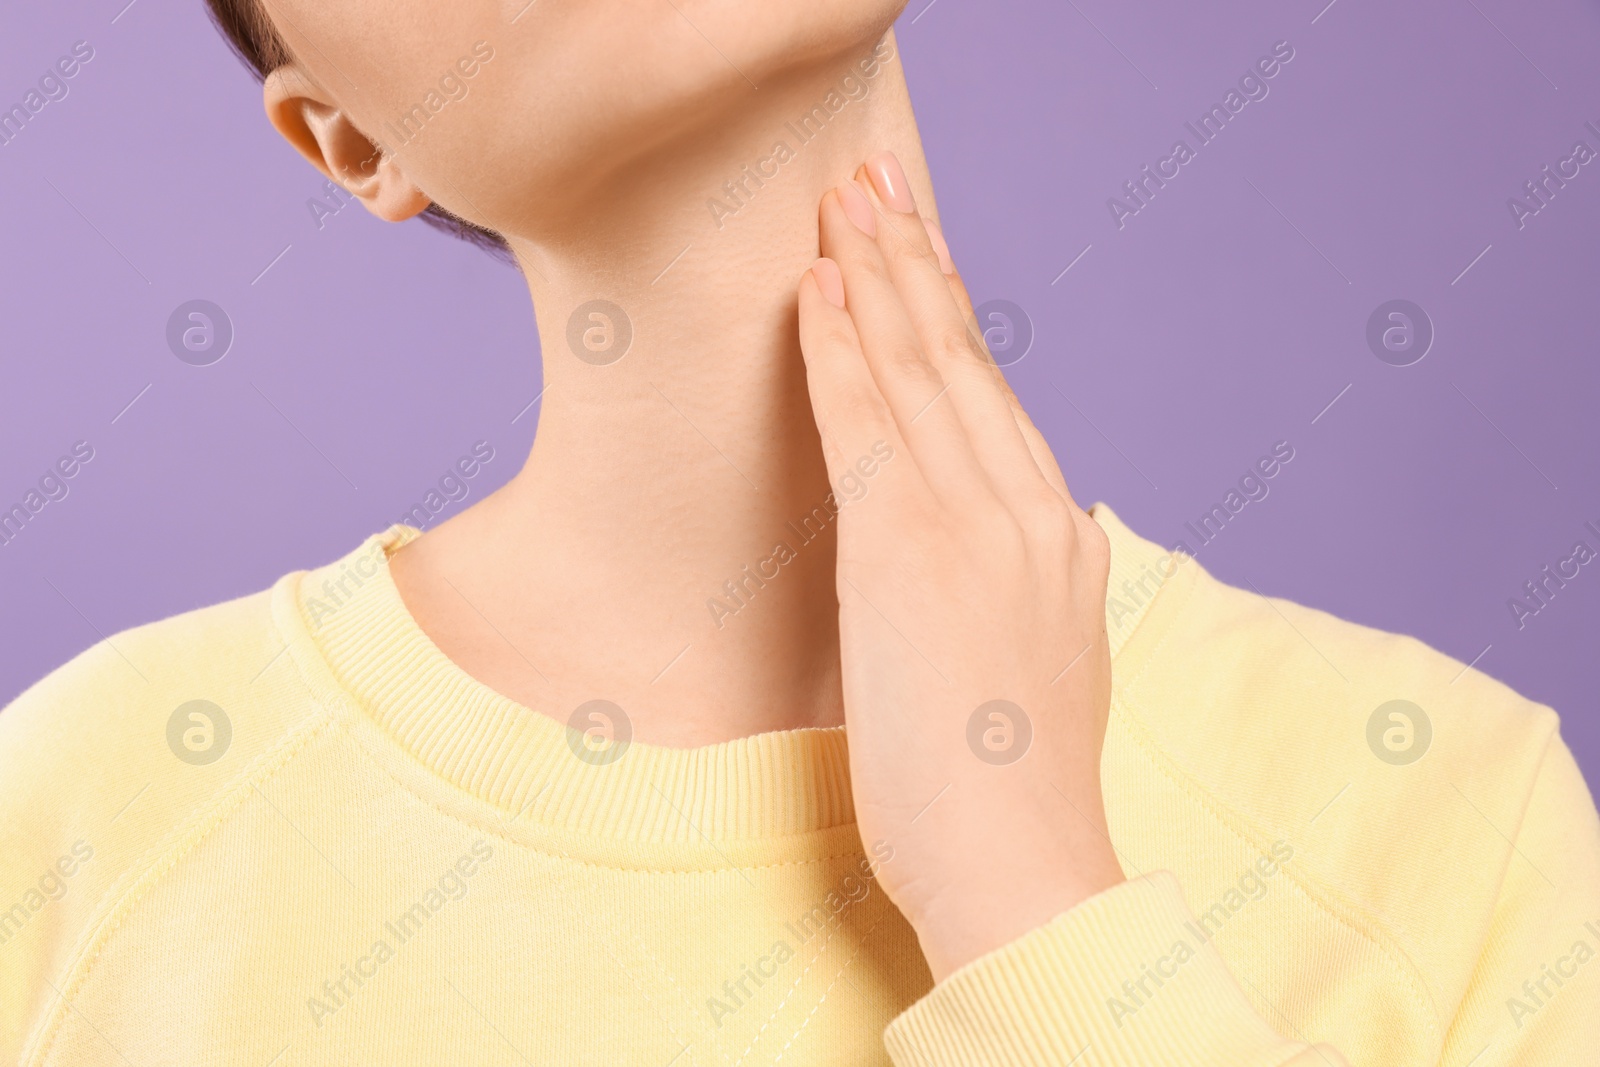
<point x="669" y="544"/>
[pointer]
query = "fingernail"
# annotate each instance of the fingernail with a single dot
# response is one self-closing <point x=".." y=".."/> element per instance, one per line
<point x="940" y="246"/>
<point x="858" y="208"/>
<point x="829" y="280"/>
<point x="890" y="180"/>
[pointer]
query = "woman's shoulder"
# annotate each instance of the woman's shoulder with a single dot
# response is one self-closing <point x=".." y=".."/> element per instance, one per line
<point x="1402" y="778"/>
<point x="166" y="707"/>
<point x="107" y="699"/>
<point x="1227" y="669"/>
<point x="113" y="752"/>
<point x="1280" y="678"/>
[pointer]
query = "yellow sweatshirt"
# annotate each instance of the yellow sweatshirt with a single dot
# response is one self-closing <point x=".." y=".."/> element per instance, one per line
<point x="287" y="830"/>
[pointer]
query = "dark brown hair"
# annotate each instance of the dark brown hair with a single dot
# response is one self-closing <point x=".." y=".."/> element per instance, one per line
<point x="256" y="41"/>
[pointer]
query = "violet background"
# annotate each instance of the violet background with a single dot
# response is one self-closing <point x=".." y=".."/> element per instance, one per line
<point x="1224" y="317"/>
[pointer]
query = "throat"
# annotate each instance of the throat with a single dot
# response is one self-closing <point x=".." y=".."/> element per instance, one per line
<point x="690" y="582"/>
<point x="670" y="543"/>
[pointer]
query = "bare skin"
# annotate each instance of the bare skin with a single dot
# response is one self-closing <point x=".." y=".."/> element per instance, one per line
<point x="658" y="478"/>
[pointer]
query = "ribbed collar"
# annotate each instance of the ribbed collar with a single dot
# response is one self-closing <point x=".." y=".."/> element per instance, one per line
<point x="521" y="761"/>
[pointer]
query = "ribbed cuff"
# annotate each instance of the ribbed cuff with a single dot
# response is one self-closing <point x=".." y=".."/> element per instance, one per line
<point x="1126" y="977"/>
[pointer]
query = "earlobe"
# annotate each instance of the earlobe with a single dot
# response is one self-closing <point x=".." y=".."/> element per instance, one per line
<point x="379" y="183"/>
<point x="322" y="132"/>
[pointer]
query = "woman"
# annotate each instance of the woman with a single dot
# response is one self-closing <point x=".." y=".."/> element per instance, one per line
<point x="565" y="780"/>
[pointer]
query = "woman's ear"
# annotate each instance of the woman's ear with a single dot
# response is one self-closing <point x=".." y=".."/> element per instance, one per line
<point x="324" y="134"/>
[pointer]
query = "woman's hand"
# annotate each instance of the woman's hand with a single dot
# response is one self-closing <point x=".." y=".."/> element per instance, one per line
<point x="977" y="674"/>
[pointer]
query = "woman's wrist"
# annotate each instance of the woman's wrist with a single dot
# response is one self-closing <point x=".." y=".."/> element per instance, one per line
<point x="989" y="903"/>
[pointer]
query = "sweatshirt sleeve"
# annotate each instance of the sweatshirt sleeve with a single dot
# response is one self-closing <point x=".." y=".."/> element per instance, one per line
<point x="1056" y="995"/>
<point x="1534" y="993"/>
